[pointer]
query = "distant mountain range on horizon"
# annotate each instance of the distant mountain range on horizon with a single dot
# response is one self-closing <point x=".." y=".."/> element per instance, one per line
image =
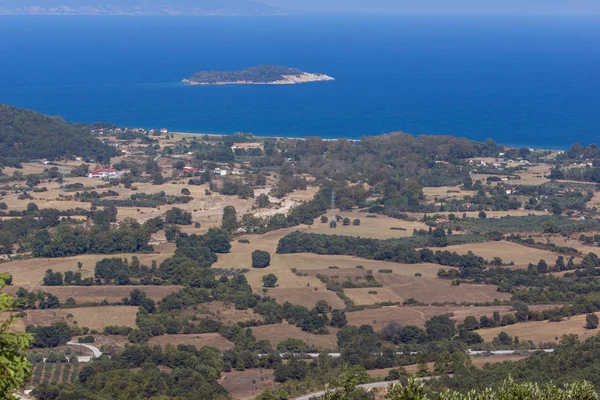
<point x="139" y="7"/>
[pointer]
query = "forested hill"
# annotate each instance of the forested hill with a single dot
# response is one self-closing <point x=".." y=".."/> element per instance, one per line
<point x="27" y="135"/>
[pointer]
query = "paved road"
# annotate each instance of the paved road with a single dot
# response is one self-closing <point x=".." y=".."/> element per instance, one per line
<point x="95" y="350"/>
<point x="365" y="386"/>
<point x="469" y="352"/>
<point x="386" y="383"/>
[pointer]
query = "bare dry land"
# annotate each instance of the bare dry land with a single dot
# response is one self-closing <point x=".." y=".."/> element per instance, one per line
<point x="398" y="288"/>
<point x="446" y="192"/>
<point x="347" y="266"/>
<point x="198" y="340"/>
<point x="379" y="227"/>
<point x="227" y="313"/>
<point x="475" y="214"/>
<point x="95" y="294"/>
<point x="542" y="331"/>
<point x="479" y="362"/>
<point x="30" y="272"/>
<point x="507" y="251"/>
<point x="280" y="332"/>
<point x="92" y="317"/>
<point x="381" y="317"/>
<point x="246" y="385"/>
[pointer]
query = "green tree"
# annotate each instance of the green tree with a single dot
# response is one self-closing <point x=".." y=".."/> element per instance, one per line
<point x="556" y="208"/>
<point x="591" y="321"/>
<point x="229" y="221"/>
<point x="262" y="201"/>
<point x="470" y="323"/>
<point x="346" y="388"/>
<point x="14" y="367"/>
<point x="178" y="216"/>
<point x="172" y="232"/>
<point x="338" y="319"/>
<point x="269" y="281"/>
<point x="413" y="390"/>
<point x="260" y="259"/>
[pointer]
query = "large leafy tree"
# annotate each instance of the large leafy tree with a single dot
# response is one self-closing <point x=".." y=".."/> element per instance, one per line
<point x="14" y="367"/>
<point x="229" y="221"/>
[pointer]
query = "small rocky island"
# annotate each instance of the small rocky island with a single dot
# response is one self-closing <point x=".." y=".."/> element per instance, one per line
<point x="259" y="75"/>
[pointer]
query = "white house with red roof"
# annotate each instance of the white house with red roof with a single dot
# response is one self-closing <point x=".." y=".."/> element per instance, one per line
<point x="102" y="173"/>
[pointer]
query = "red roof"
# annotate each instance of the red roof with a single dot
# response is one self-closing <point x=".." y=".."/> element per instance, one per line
<point x="103" y="171"/>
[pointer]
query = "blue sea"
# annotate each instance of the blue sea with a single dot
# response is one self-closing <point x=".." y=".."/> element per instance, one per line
<point x="520" y="80"/>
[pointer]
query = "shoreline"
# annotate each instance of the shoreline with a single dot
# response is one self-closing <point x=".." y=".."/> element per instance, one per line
<point x="330" y="139"/>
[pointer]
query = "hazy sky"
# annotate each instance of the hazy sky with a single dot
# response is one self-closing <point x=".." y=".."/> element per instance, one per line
<point x="585" y="7"/>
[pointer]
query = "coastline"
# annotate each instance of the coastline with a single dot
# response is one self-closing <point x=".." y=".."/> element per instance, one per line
<point x="329" y="139"/>
<point x="305" y="77"/>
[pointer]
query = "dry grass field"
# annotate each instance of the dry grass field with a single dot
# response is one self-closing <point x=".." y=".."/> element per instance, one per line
<point x="535" y="175"/>
<point x="347" y="267"/>
<point x="570" y="241"/>
<point x="376" y="228"/>
<point x="398" y="288"/>
<point x="446" y="192"/>
<point x="293" y="288"/>
<point x="227" y="313"/>
<point x="474" y="214"/>
<point x="307" y="296"/>
<point x="542" y="331"/>
<point x="92" y="317"/>
<point x="30" y="272"/>
<point x="246" y="385"/>
<point x="307" y="290"/>
<point x="478" y="361"/>
<point x="381" y="317"/>
<point x="198" y="340"/>
<point x="507" y="251"/>
<point x="95" y="294"/>
<point x="280" y="332"/>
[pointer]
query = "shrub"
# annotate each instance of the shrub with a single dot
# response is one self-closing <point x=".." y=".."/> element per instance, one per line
<point x="591" y="321"/>
<point x="260" y="259"/>
<point x="86" y="339"/>
<point x="178" y="216"/>
<point x="269" y="281"/>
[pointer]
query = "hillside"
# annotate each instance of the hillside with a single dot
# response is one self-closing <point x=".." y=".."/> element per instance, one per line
<point x="261" y="74"/>
<point x="27" y="135"/>
<point x="138" y="7"/>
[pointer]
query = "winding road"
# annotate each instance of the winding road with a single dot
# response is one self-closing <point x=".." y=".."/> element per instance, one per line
<point x="386" y="383"/>
<point x="95" y="350"/>
<point x="364" y="386"/>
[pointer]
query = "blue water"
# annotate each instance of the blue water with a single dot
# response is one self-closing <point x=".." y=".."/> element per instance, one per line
<point x="523" y="81"/>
